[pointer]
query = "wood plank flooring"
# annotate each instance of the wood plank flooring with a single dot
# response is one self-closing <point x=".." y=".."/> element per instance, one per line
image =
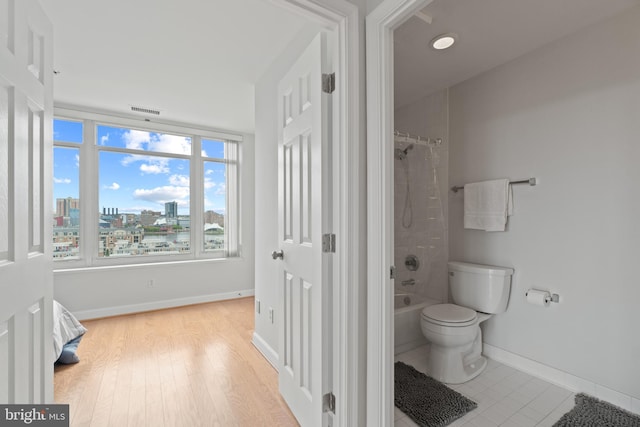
<point x="187" y="366"/>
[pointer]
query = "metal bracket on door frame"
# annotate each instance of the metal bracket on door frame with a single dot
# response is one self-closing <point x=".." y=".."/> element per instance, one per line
<point x="329" y="243"/>
<point x="329" y="403"/>
<point x="328" y="82"/>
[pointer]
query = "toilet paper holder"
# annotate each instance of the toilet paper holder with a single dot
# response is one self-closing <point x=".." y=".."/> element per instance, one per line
<point x="550" y="298"/>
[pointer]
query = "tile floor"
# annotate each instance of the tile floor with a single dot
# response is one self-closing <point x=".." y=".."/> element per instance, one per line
<point x="505" y="396"/>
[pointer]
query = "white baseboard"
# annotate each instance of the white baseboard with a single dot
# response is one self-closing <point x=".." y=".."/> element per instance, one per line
<point x="561" y="378"/>
<point x="269" y="353"/>
<point x="158" y="305"/>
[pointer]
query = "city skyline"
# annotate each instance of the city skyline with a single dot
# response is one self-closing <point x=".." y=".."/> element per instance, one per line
<point x="134" y="183"/>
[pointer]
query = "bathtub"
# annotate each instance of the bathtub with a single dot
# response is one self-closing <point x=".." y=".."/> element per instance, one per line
<point x="407" y="332"/>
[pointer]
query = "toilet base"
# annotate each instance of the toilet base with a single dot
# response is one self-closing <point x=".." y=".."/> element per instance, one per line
<point x="454" y="368"/>
<point x="457" y="364"/>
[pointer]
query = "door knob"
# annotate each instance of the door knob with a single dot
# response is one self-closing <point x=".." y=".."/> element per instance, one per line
<point x="277" y="254"/>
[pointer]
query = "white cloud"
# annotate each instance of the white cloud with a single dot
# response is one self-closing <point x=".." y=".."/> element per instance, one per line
<point x="167" y="193"/>
<point x="208" y="184"/>
<point x="209" y="172"/>
<point x="113" y="186"/>
<point x="222" y="189"/>
<point x="136" y="139"/>
<point x="140" y="140"/>
<point x="179" y="180"/>
<point x="154" y="168"/>
<point x="77" y="160"/>
<point x="61" y="180"/>
<point x="104" y="139"/>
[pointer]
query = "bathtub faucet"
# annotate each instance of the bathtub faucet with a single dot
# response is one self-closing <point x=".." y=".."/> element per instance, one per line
<point x="409" y="282"/>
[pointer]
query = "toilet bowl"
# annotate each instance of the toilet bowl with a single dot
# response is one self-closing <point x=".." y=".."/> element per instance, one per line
<point x="456" y="342"/>
<point x="454" y="330"/>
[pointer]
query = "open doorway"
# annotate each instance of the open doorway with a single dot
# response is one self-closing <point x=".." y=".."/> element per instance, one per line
<point x="235" y="276"/>
<point x="480" y="134"/>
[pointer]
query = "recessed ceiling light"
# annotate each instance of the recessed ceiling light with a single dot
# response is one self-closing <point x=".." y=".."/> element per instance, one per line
<point x="443" y="41"/>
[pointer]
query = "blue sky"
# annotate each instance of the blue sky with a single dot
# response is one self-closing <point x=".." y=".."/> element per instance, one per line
<point x="133" y="183"/>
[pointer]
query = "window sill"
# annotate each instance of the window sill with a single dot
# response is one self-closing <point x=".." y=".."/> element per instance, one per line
<point x="73" y="269"/>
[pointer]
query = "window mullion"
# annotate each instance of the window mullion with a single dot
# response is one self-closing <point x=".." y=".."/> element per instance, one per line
<point x="197" y="198"/>
<point x="89" y="193"/>
<point x="232" y="238"/>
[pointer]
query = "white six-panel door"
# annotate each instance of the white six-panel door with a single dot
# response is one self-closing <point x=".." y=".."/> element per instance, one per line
<point x="303" y="214"/>
<point x="26" y="277"/>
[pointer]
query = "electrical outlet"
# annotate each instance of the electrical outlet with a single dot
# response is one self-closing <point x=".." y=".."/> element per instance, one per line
<point x="258" y="306"/>
<point x="150" y="283"/>
<point x="271" y="314"/>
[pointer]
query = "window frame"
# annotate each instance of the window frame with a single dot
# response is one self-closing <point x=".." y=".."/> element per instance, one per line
<point x="89" y="190"/>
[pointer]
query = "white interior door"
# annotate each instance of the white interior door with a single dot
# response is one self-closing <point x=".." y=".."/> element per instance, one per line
<point x="26" y="276"/>
<point x="304" y="186"/>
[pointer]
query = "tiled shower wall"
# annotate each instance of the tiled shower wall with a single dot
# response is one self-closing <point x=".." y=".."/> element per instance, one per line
<point x="424" y="231"/>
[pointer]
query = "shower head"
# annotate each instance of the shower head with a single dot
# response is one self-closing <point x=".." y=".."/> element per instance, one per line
<point x="401" y="154"/>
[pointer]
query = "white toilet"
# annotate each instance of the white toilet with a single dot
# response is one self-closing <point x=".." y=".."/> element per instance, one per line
<point x="453" y="330"/>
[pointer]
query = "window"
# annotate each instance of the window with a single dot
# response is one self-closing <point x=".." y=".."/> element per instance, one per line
<point x="144" y="199"/>
<point x="67" y="136"/>
<point x="143" y="192"/>
<point x="216" y="172"/>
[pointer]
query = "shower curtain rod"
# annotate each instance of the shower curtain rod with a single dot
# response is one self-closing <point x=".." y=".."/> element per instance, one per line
<point x="415" y="139"/>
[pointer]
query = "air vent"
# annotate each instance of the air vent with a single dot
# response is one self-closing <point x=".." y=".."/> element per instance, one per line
<point x="145" y="110"/>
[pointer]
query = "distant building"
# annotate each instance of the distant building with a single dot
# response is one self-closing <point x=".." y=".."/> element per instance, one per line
<point x="74" y="217"/>
<point x="171" y="209"/>
<point x="212" y="217"/>
<point x="118" y="241"/>
<point x="148" y="218"/>
<point x="64" y="206"/>
<point x="66" y="242"/>
<point x="129" y="219"/>
<point x="110" y="211"/>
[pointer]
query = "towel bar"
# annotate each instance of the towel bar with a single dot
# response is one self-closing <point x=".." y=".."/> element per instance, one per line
<point x="530" y="181"/>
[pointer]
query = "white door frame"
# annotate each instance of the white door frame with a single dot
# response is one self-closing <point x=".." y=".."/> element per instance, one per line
<point x="380" y="24"/>
<point x="347" y="280"/>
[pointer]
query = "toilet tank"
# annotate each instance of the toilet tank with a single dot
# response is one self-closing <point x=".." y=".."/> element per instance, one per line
<point x="484" y="288"/>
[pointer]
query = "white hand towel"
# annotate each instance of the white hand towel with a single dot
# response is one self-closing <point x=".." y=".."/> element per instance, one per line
<point x="487" y="205"/>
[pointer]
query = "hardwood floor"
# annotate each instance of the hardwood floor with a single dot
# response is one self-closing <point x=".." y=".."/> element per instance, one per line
<point x="187" y="366"/>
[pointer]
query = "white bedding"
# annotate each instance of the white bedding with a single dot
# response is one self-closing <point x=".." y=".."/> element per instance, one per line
<point x="65" y="327"/>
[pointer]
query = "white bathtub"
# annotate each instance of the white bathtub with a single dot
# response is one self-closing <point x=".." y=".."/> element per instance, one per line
<point x="407" y="332"/>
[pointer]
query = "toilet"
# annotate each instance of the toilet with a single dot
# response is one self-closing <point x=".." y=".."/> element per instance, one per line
<point x="478" y="292"/>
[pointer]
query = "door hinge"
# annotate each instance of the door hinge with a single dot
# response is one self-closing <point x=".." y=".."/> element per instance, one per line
<point x="329" y="82"/>
<point x="392" y="272"/>
<point x="329" y="243"/>
<point x="329" y="403"/>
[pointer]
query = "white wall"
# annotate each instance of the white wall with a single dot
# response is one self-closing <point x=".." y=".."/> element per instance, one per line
<point x="266" y="190"/>
<point x="567" y="114"/>
<point x="98" y="292"/>
<point x="427" y="236"/>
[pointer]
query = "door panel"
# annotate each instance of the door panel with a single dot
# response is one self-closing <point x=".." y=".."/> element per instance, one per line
<point x="26" y="275"/>
<point x="302" y="136"/>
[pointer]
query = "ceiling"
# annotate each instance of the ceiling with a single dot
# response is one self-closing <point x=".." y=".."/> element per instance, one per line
<point x="490" y="33"/>
<point x="194" y="60"/>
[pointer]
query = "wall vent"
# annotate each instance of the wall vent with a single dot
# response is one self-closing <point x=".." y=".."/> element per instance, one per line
<point x="145" y="110"/>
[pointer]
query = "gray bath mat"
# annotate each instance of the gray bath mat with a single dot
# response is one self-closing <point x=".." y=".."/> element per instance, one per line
<point x="591" y="412"/>
<point x="427" y="402"/>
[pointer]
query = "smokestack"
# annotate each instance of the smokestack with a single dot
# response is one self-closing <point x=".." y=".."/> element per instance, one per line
<point x="104" y="210"/>
<point x="116" y="211"/>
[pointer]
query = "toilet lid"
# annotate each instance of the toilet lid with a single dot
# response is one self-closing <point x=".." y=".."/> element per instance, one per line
<point x="450" y="313"/>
